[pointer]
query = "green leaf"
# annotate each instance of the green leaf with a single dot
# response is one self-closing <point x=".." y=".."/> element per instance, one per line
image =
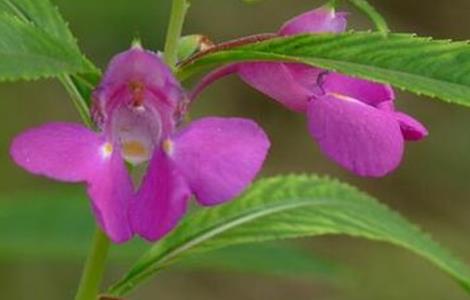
<point x="269" y="259"/>
<point x="41" y="13"/>
<point x="435" y="68"/>
<point x="35" y="42"/>
<point x="290" y="207"/>
<point x="57" y="226"/>
<point x="29" y="53"/>
<point x="188" y="45"/>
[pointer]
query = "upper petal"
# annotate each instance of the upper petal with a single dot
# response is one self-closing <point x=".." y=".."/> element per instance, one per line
<point x="363" y="90"/>
<point x="320" y="20"/>
<point x="138" y="78"/>
<point x="361" y="138"/>
<point x="411" y="128"/>
<point x="138" y="64"/>
<point x="219" y="157"/>
<point x="290" y="84"/>
<point x="61" y="151"/>
<point x="161" y="200"/>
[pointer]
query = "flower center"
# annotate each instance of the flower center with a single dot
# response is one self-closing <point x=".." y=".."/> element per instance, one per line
<point x="134" y="149"/>
<point x="137" y="90"/>
<point x="137" y="129"/>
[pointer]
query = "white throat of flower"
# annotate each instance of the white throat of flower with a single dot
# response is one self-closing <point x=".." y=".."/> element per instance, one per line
<point x="137" y="129"/>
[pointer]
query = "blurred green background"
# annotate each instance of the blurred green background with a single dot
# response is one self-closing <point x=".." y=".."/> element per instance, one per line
<point x="431" y="187"/>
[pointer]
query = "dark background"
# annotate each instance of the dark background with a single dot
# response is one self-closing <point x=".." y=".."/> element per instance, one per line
<point x="431" y="187"/>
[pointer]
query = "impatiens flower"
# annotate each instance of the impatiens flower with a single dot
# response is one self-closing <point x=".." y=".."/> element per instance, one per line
<point x="137" y="108"/>
<point x="353" y="120"/>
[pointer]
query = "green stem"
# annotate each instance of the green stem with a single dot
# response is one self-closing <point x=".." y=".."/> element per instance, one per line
<point x="78" y="101"/>
<point x="94" y="268"/>
<point x="175" y="27"/>
<point x="373" y="14"/>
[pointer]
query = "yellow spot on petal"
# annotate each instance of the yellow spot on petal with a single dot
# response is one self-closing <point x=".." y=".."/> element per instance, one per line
<point x="107" y="149"/>
<point x="134" y="148"/>
<point x="168" y="146"/>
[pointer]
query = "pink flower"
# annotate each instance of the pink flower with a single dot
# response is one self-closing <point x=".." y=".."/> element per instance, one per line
<point x="354" y="121"/>
<point x="137" y="107"/>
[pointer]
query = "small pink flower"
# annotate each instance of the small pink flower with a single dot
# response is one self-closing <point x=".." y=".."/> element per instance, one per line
<point x="137" y="107"/>
<point x="353" y="120"/>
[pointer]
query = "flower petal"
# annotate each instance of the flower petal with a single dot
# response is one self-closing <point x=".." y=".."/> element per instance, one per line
<point x="411" y="128"/>
<point x="138" y="77"/>
<point x="363" y="90"/>
<point x="137" y="64"/>
<point x="111" y="190"/>
<point x="161" y="201"/>
<point x="320" y="20"/>
<point x="219" y="157"/>
<point x="290" y="84"/>
<point x="60" y="151"/>
<point x="361" y="138"/>
<point x="71" y="152"/>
